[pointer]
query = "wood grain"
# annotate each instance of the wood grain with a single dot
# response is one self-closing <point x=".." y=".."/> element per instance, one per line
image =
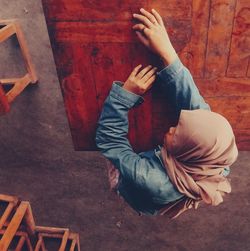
<point x="94" y="45"/>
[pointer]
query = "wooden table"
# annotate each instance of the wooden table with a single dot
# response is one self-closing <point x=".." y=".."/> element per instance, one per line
<point x="93" y="45"/>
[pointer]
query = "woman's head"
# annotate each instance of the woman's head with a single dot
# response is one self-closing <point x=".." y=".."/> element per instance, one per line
<point x="198" y="149"/>
<point x="202" y="136"/>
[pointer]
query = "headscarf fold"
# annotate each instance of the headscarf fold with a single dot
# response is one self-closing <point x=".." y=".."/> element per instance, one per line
<point x="202" y="146"/>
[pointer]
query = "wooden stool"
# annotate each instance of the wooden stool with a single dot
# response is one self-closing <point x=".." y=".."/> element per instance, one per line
<point x="7" y="29"/>
<point x="18" y="229"/>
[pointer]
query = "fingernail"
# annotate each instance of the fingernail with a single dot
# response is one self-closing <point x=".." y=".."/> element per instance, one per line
<point x="141" y="9"/>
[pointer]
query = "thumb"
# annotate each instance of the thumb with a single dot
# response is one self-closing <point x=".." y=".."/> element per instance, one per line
<point x="142" y="39"/>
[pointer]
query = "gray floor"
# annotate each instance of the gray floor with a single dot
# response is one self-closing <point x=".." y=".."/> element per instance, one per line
<point x="70" y="189"/>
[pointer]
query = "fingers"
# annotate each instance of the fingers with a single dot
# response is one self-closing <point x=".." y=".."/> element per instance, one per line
<point x="149" y="74"/>
<point x="135" y="71"/>
<point x="140" y="27"/>
<point x="157" y="17"/>
<point x="149" y="82"/>
<point x="143" y="19"/>
<point x="142" y="38"/>
<point x="143" y="72"/>
<point x="151" y="18"/>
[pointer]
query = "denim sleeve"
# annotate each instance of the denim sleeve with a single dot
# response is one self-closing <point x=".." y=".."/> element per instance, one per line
<point x="111" y="134"/>
<point x="178" y="82"/>
<point x="111" y="140"/>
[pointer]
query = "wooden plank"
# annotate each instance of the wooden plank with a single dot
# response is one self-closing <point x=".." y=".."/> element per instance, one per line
<point x="76" y="10"/>
<point x="223" y="86"/>
<point x="18" y="87"/>
<point x="235" y="109"/>
<point x="240" y="44"/>
<point x="13" y="226"/>
<point x="9" y="198"/>
<point x="142" y="115"/>
<point x="93" y="31"/>
<point x="9" y="80"/>
<point x="193" y="53"/>
<point x="42" y="229"/>
<point x="29" y="220"/>
<point x="6" y="213"/>
<point x="38" y="244"/>
<point x="219" y="35"/>
<point x="88" y="32"/>
<point x="6" y="32"/>
<point x="64" y="240"/>
<point x="242" y="139"/>
<point x="73" y="245"/>
<point x="21" y="234"/>
<point x="20" y="243"/>
<point x="80" y="95"/>
<point x="75" y="237"/>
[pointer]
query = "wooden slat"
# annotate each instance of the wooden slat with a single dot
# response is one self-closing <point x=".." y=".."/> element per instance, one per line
<point x="142" y="115"/>
<point x="219" y="35"/>
<point x="13" y="226"/>
<point x="38" y="244"/>
<point x="194" y="52"/>
<point x="73" y="245"/>
<point x="21" y="234"/>
<point x="42" y="229"/>
<point x="64" y="241"/>
<point x="9" y="80"/>
<point x="80" y="98"/>
<point x="220" y="87"/>
<point x="6" y="32"/>
<point x="9" y="198"/>
<point x="242" y="138"/>
<point x="18" y="88"/>
<point x="235" y="109"/>
<point x="240" y="44"/>
<point x="30" y="222"/>
<point x="20" y="243"/>
<point x="6" y="213"/>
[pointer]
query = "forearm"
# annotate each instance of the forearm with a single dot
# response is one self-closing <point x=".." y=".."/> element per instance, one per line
<point x="112" y="130"/>
<point x="169" y="57"/>
<point x="178" y="82"/>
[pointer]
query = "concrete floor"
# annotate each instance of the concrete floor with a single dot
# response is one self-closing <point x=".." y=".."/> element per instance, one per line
<point x="70" y="189"/>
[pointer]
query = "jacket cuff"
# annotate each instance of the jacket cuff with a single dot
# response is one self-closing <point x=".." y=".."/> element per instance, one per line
<point x="126" y="97"/>
<point x="170" y="71"/>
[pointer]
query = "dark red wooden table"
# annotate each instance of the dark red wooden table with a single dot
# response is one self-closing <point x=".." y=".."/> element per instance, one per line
<point x="93" y="45"/>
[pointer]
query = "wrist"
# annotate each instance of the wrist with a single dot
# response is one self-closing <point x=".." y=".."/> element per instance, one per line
<point x="130" y="89"/>
<point x="169" y="57"/>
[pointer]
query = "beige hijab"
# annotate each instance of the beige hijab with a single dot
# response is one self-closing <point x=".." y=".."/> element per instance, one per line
<point x="203" y="144"/>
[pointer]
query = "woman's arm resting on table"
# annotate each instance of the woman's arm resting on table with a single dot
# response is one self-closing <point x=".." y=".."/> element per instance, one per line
<point x="112" y="130"/>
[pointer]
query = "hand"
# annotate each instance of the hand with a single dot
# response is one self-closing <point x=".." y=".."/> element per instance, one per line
<point x="152" y="34"/>
<point x="139" y="82"/>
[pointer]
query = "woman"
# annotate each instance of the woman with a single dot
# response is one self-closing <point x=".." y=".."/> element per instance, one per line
<point x="194" y="160"/>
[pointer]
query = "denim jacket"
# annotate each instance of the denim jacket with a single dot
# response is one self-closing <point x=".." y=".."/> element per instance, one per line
<point x="144" y="182"/>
